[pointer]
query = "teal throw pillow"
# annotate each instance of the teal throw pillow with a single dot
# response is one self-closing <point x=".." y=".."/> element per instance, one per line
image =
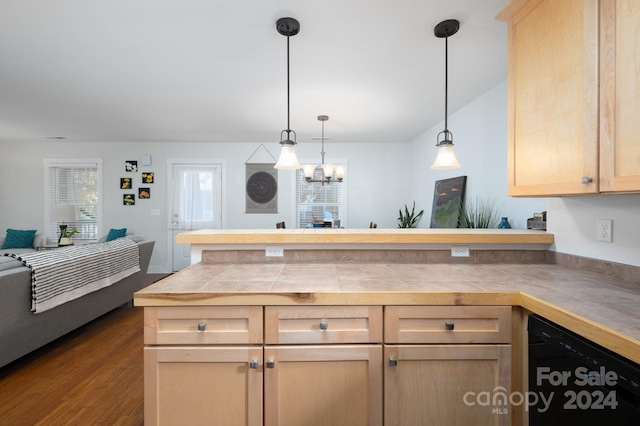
<point x="17" y="238"/>
<point x="116" y="233"/>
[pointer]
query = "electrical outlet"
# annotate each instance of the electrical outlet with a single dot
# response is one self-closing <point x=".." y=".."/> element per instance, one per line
<point x="274" y="251"/>
<point x="604" y="230"/>
<point x="459" y="251"/>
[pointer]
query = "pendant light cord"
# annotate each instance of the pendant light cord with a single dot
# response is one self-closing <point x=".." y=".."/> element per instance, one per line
<point x="288" y="107"/>
<point x="446" y="82"/>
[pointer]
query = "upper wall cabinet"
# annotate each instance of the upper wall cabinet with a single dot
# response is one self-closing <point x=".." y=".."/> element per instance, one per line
<point x="574" y="96"/>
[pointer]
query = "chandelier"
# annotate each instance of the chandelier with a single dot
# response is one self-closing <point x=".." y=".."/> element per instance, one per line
<point x="329" y="172"/>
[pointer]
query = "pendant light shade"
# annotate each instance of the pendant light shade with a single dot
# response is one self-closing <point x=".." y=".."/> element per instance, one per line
<point x="446" y="158"/>
<point x="288" y="160"/>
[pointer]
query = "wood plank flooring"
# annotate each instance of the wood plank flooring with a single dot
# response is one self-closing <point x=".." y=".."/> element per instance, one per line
<point x="92" y="376"/>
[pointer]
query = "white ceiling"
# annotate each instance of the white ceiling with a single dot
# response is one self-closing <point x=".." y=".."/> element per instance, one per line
<point x="215" y="70"/>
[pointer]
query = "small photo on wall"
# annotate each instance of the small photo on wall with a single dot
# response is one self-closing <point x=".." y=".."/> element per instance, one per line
<point x="129" y="199"/>
<point x="125" y="183"/>
<point x="147" y="177"/>
<point x="131" y="166"/>
<point x="144" y="193"/>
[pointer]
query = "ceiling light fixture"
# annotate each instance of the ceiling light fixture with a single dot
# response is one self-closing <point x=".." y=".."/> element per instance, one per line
<point x="288" y="160"/>
<point x="330" y="172"/>
<point x="446" y="158"/>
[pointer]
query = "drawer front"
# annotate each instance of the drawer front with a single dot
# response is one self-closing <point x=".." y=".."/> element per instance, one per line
<point x="208" y="325"/>
<point x="323" y="324"/>
<point x="447" y="324"/>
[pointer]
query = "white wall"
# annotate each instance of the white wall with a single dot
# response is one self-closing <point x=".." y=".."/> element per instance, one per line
<point x="381" y="178"/>
<point x="573" y="222"/>
<point x="372" y="196"/>
<point x="480" y="139"/>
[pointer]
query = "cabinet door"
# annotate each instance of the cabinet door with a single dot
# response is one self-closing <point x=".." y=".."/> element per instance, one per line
<point x="447" y="385"/>
<point x="323" y="385"/>
<point x="203" y="386"/>
<point x="553" y="98"/>
<point x="619" y="95"/>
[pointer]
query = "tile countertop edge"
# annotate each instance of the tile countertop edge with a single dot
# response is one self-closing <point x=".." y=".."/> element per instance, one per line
<point x="611" y="339"/>
<point x="365" y="236"/>
<point x="604" y="336"/>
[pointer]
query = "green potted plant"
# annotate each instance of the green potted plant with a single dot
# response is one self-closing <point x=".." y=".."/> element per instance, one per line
<point x="409" y="219"/>
<point x="65" y="236"/>
<point x="480" y="213"/>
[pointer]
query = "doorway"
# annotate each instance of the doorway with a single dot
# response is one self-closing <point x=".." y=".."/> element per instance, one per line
<point x="195" y="202"/>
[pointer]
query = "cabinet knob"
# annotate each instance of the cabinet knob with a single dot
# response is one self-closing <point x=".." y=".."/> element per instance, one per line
<point x="393" y="361"/>
<point x="271" y="363"/>
<point x="253" y="363"/>
<point x="323" y="325"/>
<point x="202" y="326"/>
<point x="586" y="179"/>
<point x="449" y="325"/>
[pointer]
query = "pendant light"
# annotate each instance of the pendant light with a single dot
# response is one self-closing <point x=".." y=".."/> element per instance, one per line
<point x="330" y="172"/>
<point x="288" y="160"/>
<point x="446" y="158"/>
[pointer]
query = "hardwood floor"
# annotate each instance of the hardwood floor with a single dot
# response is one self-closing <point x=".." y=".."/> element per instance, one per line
<point x="92" y="376"/>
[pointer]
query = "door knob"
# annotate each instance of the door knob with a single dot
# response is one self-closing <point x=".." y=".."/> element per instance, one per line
<point x="449" y="325"/>
<point x="324" y="325"/>
<point x="202" y="326"/>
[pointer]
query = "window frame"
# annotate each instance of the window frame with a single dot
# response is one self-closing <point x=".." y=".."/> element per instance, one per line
<point x="50" y="163"/>
<point x="294" y="192"/>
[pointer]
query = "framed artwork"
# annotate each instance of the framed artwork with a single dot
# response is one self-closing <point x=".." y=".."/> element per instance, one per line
<point x="147" y="177"/>
<point x="262" y="188"/>
<point x="129" y="199"/>
<point x="125" y="183"/>
<point x="131" y="166"/>
<point x="448" y="200"/>
<point x="144" y="193"/>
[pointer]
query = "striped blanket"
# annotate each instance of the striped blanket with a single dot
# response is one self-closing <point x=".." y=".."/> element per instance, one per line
<point x="64" y="274"/>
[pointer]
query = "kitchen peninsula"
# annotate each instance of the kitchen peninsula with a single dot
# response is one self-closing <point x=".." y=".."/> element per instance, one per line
<point x="362" y="238"/>
<point x="330" y="329"/>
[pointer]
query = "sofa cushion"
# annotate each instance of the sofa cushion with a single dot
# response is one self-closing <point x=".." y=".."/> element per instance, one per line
<point x="17" y="238"/>
<point x="116" y="233"/>
<point x="7" y="262"/>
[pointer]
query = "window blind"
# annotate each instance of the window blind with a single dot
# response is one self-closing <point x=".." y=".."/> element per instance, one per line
<point x="318" y="202"/>
<point x="75" y="184"/>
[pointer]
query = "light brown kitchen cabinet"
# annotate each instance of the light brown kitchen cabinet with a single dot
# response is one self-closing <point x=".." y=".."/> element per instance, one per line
<point x="323" y="385"/>
<point x="323" y="365"/>
<point x="619" y="96"/>
<point x="428" y="382"/>
<point x="326" y="365"/>
<point x="572" y="97"/>
<point x="203" y="365"/>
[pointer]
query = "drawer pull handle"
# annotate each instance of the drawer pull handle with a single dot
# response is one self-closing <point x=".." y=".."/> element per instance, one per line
<point x="253" y="363"/>
<point x="202" y="326"/>
<point x="449" y="325"/>
<point x="393" y="362"/>
<point x="586" y="180"/>
<point x="323" y="325"/>
<point x="271" y="363"/>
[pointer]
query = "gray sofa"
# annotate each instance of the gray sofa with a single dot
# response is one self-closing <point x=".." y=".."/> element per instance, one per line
<point x="22" y="331"/>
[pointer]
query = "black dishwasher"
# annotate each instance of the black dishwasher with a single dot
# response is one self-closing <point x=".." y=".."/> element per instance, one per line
<point x="572" y="379"/>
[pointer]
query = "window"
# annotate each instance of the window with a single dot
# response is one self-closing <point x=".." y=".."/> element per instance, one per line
<point x="319" y="203"/>
<point x="76" y="182"/>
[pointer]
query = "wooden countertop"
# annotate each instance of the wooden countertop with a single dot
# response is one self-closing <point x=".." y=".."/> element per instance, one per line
<point x="600" y="308"/>
<point x="365" y="236"/>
